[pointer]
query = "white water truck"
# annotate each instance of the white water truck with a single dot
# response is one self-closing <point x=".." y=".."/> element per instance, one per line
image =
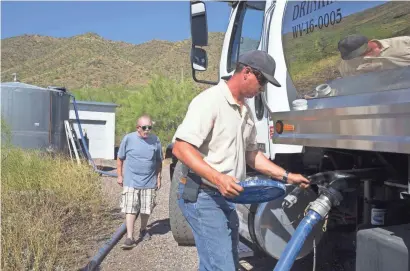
<point x="341" y="116"/>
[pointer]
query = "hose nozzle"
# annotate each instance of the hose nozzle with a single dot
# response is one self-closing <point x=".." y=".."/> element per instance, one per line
<point x="330" y="183"/>
<point x="328" y="199"/>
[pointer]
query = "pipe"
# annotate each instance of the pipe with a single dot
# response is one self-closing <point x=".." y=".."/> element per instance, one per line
<point x="314" y="254"/>
<point x="122" y="230"/>
<point x="408" y="174"/>
<point x="87" y="153"/>
<point x="366" y="201"/>
<point x="318" y="209"/>
<point x="339" y="181"/>
<point x="298" y="239"/>
<point x="106" y="173"/>
<point x="81" y="131"/>
<point x="50" y="120"/>
<point x="103" y="252"/>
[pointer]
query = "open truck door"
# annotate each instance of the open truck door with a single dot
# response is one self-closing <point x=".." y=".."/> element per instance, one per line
<point x="244" y="33"/>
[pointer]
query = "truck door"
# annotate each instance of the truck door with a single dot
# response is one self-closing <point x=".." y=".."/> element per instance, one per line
<point x="245" y="33"/>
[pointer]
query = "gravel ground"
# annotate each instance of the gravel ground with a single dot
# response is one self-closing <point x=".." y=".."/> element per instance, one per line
<point x="163" y="253"/>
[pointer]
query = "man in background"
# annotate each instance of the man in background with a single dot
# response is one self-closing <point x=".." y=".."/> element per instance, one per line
<point x="139" y="165"/>
<point x="361" y="55"/>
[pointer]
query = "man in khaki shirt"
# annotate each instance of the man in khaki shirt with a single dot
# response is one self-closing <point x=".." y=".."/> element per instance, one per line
<point x="216" y="140"/>
<point x="360" y="55"/>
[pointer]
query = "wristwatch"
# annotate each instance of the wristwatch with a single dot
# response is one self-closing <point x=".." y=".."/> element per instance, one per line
<point x="285" y="176"/>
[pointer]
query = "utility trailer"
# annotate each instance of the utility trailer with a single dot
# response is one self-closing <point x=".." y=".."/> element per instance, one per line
<point x="343" y="107"/>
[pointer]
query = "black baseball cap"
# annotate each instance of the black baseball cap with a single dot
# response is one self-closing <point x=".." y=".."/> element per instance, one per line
<point x="352" y="46"/>
<point x="261" y="61"/>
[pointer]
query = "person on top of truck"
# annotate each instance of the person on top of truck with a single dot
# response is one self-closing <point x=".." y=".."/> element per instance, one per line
<point x="361" y="55"/>
<point x="215" y="141"/>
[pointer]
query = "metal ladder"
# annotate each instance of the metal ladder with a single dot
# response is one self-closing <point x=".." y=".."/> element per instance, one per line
<point x="74" y="144"/>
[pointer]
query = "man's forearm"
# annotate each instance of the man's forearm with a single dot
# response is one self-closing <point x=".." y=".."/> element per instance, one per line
<point x="119" y="167"/>
<point x="259" y="162"/>
<point x="159" y="168"/>
<point x="191" y="157"/>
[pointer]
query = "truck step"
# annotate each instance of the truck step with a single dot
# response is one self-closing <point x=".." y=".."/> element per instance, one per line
<point x="244" y="251"/>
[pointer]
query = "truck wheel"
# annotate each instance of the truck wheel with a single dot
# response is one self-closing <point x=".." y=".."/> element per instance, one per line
<point x="179" y="226"/>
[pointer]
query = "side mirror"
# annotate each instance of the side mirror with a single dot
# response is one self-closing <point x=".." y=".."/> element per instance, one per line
<point x="199" y="59"/>
<point x="199" y="37"/>
<point x="199" y="27"/>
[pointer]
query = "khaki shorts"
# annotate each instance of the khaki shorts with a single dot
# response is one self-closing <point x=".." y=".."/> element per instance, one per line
<point x="134" y="200"/>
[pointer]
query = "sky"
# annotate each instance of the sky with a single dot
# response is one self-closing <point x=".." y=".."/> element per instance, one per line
<point x="131" y="21"/>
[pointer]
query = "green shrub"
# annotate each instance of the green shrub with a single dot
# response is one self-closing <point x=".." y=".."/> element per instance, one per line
<point x="166" y="100"/>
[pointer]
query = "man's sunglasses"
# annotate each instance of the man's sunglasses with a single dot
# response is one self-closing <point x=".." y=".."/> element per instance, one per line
<point x="146" y="127"/>
<point x="261" y="79"/>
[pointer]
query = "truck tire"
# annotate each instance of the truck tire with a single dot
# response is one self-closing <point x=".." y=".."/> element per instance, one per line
<point x="179" y="226"/>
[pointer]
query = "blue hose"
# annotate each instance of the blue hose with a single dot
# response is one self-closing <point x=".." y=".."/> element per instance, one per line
<point x="106" y="173"/>
<point x="295" y="244"/>
<point x="103" y="251"/>
<point x="122" y="230"/>
<point x="89" y="158"/>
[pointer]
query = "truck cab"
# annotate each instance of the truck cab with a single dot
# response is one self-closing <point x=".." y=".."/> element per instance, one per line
<point x="343" y="106"/>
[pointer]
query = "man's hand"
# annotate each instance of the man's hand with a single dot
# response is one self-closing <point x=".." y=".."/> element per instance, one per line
<point x="298" y="179"/>
<point x="228" y="186"/>
<point x="120" y="180"/>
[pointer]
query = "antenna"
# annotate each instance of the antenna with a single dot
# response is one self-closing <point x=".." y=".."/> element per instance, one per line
<point x="14" y="76"/>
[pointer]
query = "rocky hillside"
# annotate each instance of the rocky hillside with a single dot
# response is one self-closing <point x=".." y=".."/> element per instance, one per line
<point x="89" y="60"/>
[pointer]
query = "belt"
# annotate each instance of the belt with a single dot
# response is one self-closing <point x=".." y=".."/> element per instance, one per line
<point x="202" y="185"/>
